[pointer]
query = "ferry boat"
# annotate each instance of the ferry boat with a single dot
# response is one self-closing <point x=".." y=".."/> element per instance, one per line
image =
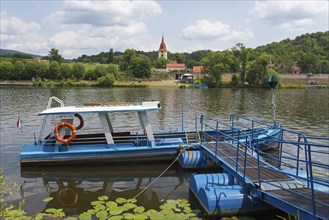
<point x="62" y="142"/>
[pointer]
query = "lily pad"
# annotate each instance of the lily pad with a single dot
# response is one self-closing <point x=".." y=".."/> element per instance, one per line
<point x="48" y="199"/>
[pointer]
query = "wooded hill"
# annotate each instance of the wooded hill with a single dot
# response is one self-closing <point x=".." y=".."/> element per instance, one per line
<point x="309" y="51"/>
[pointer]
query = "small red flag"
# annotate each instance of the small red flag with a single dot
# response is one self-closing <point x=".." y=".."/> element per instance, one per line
<point x="19" y="123"/>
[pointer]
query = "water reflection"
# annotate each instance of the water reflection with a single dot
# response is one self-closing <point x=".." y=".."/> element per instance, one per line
<point x="73" y="189"/>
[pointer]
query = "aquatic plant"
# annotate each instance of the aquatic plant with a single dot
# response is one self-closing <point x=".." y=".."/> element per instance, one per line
<point x="103" y="208"/>
<point x="123" y="208"/>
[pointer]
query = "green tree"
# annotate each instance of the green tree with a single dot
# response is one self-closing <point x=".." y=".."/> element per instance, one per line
<point x="54" y="70"/>
<point x="128" y="55"/>
<point x="55" y="56"/>
<point x="90" y="75"/>
<point x="140" y="67"/>
<point x="6" y="70"/>
<point x="111" y="56"/>
<point x="101" y="59"/>
<point x="100" y="70"/>
<point x="257" y="72"/>
<point x="235" y="81"/>
<point x="308" y="63"/>
<point x="215" y="64"/>
<point x="31" y="69"/>
<point x="242" y="53"/>
<point x="179" y="57"/>
<point x="19" y="70"/>
<point x="324" y="67"/>
<point x="78" y="71"/>
<point x="160" y="63"/>
<point x="113" y="69"/>
<point x="42" y="69"/>
<point x="36" y="69"/>
<point x="66" y="71"/>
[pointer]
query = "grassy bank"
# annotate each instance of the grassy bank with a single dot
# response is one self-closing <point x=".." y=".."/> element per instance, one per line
<point x="287" y="81"/>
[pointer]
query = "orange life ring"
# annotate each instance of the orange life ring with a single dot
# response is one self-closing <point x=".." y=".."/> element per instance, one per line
<point x="81" y="121"/>
<point x="63" y="124"/>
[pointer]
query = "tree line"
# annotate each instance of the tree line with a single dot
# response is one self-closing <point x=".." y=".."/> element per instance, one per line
<point x="310" y="52"/>
<point x="54" y="68"/>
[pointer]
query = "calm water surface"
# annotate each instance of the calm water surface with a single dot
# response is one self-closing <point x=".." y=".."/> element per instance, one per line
<point x="303" y="110"/>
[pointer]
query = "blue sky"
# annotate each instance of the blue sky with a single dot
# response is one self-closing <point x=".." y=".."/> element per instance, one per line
<point x="90" y="27"/>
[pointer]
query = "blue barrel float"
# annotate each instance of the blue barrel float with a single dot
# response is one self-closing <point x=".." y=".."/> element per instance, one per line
<point x="209" y="180"/>
<point x="192" y="159"/>
<point x="218" y="194"/>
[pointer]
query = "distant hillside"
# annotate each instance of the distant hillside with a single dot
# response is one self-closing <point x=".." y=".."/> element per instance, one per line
<point x="10" y="53"/>
<point x="303" y="49"/>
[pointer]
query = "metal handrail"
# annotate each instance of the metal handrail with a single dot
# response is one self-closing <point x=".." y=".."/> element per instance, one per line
<point x="246" y="144"/>
<point x="303" y="143"/>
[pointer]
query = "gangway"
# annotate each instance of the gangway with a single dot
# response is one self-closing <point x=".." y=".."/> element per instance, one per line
<point x="293" y="176"/>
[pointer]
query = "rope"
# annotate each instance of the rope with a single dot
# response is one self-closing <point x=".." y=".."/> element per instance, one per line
<point x="181" y="149"/>
<point x="158" y="176"/>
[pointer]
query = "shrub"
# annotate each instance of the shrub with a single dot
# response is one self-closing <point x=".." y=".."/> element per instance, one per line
<point x="106" y="81"/>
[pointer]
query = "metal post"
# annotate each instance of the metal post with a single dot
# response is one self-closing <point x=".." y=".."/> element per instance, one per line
<point x="196" y="128"/>
<point x="201" y="127"/>
<point x="216" y="138"/>
<point x="182" y="120"/>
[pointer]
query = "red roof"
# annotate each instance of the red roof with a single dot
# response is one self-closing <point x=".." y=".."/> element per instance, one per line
<point x="295" y="68"/>
<point x="163" y="46"/>
<point x="197" y="69"/>
<point x="174" y="64"/>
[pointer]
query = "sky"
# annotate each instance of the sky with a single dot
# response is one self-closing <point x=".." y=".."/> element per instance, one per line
<point x="90" y="27"/>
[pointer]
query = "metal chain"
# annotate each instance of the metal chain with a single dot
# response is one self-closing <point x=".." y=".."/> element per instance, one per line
<point x="273" y="105"/>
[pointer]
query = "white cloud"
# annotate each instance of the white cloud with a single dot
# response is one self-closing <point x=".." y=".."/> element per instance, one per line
<point x="17" y="34"/>
<point x="88" y="26"/>
<point x="289" y="14"/>
<point x="206" y="30"/>
<point x="87" y="39"/>
<point x="105" y="13"/>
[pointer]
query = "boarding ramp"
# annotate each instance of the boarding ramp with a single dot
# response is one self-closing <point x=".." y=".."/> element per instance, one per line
<point x="273" y="177"/>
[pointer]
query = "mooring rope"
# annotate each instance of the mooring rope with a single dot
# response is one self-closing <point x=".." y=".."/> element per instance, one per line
<point x="181" y="149"/>
<point x="159" y="175"/>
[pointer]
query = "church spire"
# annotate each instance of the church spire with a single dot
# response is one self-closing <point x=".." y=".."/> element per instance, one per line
<point x="162" y="49"/>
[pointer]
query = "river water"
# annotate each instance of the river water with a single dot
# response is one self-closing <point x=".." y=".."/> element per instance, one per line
<point x="305" y="111"/>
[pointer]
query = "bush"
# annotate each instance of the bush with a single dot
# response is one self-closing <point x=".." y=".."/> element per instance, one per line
<point x="106" y="81"/>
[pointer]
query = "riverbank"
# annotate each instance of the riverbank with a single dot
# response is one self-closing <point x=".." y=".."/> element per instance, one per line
<point x="286" y="81"/>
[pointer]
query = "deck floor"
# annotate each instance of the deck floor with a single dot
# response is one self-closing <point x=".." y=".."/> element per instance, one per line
<point x="272" y="181"/>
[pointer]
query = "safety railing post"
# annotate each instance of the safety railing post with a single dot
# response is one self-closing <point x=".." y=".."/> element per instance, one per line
<point x="309" y="161"/>
<point x="307" y="164"/>
<point x="280" y="149"/>
<point x="201" y="127"/>
<point x="216" y="138"/>
<point x="245" y="157"/>
<point x="196" y="128"/>
<point x="237" y="152"/>
<point x="258" y="165"/>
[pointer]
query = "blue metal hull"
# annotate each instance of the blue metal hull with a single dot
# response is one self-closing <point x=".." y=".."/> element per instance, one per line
<point x="61" y="155"/>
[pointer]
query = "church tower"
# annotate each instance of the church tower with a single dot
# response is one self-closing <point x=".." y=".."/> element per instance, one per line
<point x="162" y="49"/>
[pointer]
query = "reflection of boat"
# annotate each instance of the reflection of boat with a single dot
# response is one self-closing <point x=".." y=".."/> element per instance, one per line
<point x="65" y="143"/>
<point x="73" y="189"/>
